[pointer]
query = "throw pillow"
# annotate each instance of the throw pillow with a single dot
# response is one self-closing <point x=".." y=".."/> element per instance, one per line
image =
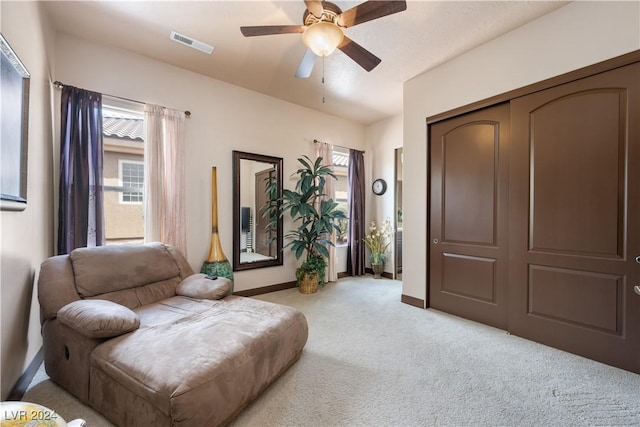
<point x="97" y="318"/>
<point x="200" y="287"/>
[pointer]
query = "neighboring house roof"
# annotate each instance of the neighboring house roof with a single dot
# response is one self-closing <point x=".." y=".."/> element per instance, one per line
<point x="340" y="159"/>
<point x="119" y="125"/>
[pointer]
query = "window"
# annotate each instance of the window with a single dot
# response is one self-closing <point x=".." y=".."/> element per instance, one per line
<point x="132" y="179"/>
<point x="340" y="168"/>
<point x="123" y="173"/>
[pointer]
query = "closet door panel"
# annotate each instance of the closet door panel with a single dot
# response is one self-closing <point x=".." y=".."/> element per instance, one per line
<point x="575" y="217"/>
<point x="468" y="204"/>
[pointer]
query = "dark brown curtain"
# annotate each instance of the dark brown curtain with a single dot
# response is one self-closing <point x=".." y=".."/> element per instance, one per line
<point x="80" y="209"/>
<point x="355" y="254"/>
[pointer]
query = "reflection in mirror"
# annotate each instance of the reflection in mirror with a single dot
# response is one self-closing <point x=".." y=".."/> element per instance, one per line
<point x="257" y="226"/>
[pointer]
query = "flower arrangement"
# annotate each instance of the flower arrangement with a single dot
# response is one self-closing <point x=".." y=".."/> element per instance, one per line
<point x="378" y="240"/>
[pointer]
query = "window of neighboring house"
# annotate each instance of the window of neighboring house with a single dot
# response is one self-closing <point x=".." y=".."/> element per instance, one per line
<point x="123" y="170"/>
<point x="132" y="181"/>
<point x="340" y="168"/>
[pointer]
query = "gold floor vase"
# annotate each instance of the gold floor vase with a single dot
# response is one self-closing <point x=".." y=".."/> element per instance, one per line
<point x="216" y="263"/>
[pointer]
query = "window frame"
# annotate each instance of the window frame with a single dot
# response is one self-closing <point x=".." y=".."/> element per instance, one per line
<point x="345" y="152"/>
<point x="121" y="200"/>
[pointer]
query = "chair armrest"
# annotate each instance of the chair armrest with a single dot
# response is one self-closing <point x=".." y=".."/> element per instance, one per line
<point x="200" y="286"/>
<point x="98" y="318"/>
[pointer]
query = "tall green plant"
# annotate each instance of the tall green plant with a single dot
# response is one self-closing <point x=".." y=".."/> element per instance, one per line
<point x="314" y="217"/>
<point x="270" y="209"/>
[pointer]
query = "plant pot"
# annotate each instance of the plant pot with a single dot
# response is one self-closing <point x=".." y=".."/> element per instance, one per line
<point x="309" y="283"/>
<point x="378" y="269"/>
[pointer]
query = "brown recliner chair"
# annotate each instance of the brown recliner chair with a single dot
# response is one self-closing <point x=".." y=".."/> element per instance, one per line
<point x="133" y="332"/>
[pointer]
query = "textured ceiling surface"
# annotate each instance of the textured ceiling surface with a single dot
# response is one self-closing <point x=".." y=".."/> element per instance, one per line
<point x="428" y="33"/>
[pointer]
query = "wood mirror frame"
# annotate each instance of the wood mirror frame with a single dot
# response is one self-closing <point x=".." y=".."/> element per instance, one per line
<point x="259" y="245"/>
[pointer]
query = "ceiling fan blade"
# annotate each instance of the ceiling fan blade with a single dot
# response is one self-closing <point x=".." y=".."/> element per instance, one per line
<point x="306" y="65"/>
<point x="315" y="7"/>
<point x="266" y="30"/>
<point x="360" y="55"/>
<point x="369" y="10"/>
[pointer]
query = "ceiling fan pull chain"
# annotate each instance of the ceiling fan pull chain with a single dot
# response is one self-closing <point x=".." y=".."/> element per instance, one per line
<point x="323" y="79"/>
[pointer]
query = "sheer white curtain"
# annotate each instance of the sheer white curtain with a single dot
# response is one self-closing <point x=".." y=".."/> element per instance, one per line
<point x="164" y="177"/>
<point x="325" y="151"/>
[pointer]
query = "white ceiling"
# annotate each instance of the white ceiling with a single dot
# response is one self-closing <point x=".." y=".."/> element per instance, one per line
<point x="428" y="33"/>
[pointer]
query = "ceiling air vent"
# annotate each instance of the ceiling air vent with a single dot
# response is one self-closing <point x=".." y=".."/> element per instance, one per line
<point x="181" y="38"/>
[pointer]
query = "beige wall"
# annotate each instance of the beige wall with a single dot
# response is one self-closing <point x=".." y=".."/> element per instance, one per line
<point x="27" y="236"/>
<point x="224" y="118"/>
<point x="574" y="36"/>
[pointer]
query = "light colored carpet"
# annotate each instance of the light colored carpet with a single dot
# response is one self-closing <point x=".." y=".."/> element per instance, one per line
<point x="374" y="361"/>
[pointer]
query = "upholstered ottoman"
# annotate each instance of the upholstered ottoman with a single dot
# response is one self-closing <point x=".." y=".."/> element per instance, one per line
<point x="200" y="367"/>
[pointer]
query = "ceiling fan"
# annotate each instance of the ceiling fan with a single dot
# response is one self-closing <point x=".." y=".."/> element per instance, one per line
<point x="323" y="30"/>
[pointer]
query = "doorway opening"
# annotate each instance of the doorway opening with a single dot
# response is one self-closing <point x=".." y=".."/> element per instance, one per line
<point x="397" y="250"/>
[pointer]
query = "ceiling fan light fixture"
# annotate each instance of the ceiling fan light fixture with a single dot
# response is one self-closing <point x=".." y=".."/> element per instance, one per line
<point x="322" y="38"/>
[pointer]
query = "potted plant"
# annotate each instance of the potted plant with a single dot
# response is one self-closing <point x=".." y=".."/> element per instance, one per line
<point x="315" y="219"/>
<point x="378" y="240"/>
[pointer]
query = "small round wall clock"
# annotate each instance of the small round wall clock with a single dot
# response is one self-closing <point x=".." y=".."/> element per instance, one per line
<point x="379" y="186"/>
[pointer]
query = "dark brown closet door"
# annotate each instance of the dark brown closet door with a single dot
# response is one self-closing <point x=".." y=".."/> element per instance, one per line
<point x="469" y="216"/>
<point x="575" y="217"/>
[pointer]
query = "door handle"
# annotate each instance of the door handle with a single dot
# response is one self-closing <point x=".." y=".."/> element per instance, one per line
<point x="636" y="289"/>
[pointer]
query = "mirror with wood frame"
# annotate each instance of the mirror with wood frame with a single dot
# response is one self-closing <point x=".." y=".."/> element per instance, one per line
<point x="257" y="225"/>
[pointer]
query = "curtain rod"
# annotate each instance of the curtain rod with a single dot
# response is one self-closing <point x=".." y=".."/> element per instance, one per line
<point x="60" y="85"/>
<point x="315" y="141"/>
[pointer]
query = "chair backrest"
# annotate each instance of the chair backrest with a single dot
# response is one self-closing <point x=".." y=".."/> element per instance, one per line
<point x="132" y="275"/>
